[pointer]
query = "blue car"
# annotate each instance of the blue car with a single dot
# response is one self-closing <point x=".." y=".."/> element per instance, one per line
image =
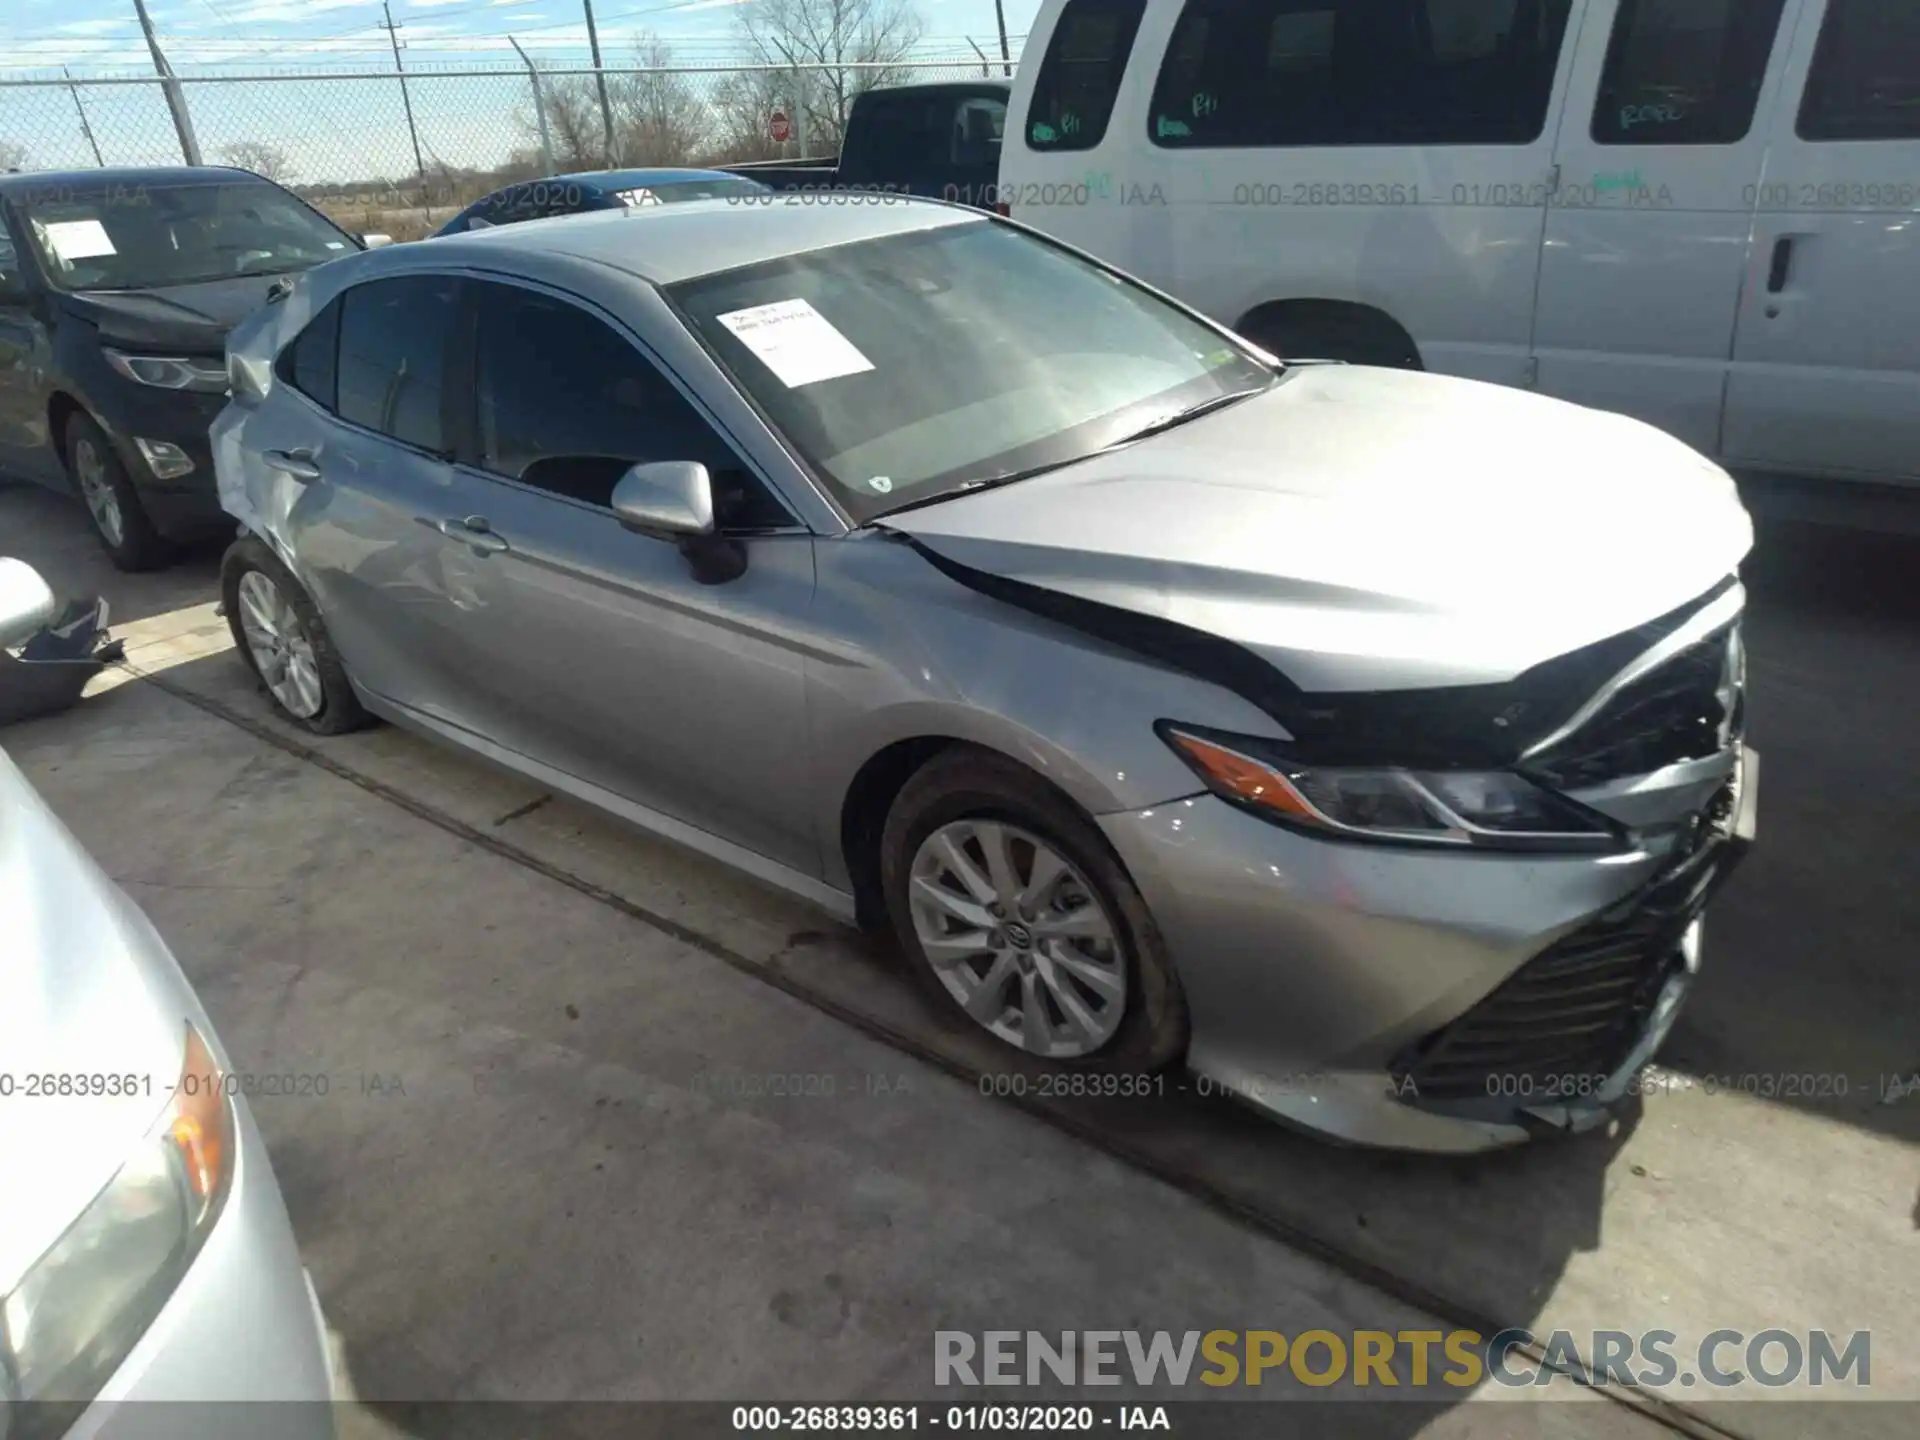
<point x="597" y="190"/>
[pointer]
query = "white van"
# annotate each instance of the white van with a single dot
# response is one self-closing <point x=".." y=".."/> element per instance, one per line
<point x="1704" y="213"/>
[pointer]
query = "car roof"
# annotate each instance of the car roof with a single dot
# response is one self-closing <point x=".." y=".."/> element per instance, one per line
<point x="636" y="178"/>
<point x="127" y="175"/>
<point x="669" y="243"/>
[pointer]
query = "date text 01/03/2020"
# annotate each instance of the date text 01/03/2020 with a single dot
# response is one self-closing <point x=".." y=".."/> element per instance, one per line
<point x="1029" y="1419"/>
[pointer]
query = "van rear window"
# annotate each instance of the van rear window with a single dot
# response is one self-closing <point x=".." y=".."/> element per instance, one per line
<point x="1357" y="72"/>
<point x="1080" y="74"/>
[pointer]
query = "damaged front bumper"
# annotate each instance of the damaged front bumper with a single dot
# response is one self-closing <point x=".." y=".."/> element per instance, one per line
<point x="1427" y="1000"/>
<point x="47" y="673"/>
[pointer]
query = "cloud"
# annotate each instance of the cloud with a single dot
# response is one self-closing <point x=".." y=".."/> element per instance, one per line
<point x="293" y="9"/>
<point x="90" y="27"/>
<point x="502" y="4"/>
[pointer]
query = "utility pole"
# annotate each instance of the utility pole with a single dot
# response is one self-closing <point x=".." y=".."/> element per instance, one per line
<point x="85" y="128"/>
<point x="600" y="79"/>
<point x="406" y="99"/>
<point x="170" y="86"/>
<point x="1000" y="14"/>
<point x="539" y="106"/>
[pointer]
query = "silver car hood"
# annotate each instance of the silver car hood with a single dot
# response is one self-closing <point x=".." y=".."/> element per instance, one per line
<point x="86" y="988"/>
<point x="1371" y="530"/>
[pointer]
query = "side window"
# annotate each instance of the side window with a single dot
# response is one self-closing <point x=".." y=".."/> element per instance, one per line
<point x="1865" y="83"/>
<point x="565" y="403"/>
<point x="978" y="124"/>
<point x="393" y="349"/>
<point x="9" y="258"/>
<point x="1081" y="72"/>
<point x="1242" y="73"/>
<point x="1684" y="72"/>
<point x="309" y="363"/>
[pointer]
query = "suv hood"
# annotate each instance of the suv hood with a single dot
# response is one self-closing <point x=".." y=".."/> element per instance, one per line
<point x="86" y="988"/>
<point x="1369" y="530"/>
<point x="191" y="318"/>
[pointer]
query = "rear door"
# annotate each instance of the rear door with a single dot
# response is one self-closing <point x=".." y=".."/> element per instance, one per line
<point x="1647" y="240"/>
<point x="594" y="650"/>
<point x="371" y="427"/>
<point x="1826" y="364"/>
<point x="24" y="350"/>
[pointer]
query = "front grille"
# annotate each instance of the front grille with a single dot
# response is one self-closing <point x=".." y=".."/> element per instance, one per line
<point x="1688" y="709"/>
<point x="1570" y="1016"/>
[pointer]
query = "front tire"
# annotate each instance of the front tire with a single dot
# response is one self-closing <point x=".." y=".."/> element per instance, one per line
<point x="120" y="521"/>
<point x="278" y="630"/>
<point x="1016" y="914"/>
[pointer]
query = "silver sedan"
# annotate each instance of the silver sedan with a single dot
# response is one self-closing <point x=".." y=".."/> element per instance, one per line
<point x="1367" y="741"/>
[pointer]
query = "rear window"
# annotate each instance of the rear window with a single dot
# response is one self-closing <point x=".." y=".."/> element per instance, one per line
<point x="1358" y="72"/>
<point x="1080" y="74"/>
<point x="1865" y="83"/>
<point x="1684" y="72"/>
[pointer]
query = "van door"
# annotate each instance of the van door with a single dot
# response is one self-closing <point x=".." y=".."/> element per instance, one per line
<point x="1646" y="242"/>
<point x="1826" y="379"/>
<point x="1383" y="161"/>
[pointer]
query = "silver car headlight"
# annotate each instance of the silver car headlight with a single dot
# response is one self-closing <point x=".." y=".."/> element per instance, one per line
<point x="169" y="372"/>
<point x="1484" y="809"/>
<point x="85" y="1303"/>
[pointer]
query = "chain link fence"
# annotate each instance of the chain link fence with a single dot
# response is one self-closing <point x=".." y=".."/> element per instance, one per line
<point x="399" y="153"/>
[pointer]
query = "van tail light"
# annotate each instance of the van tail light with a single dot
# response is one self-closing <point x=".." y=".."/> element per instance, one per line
<point x="1000" y="207"/>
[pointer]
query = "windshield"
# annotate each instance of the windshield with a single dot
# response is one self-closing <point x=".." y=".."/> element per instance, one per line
<point x="913" y="366"/>
<point x="145" y="235"/>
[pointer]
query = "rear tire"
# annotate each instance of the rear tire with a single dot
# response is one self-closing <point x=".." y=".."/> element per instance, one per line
<point x="120" y="521"/>
<point x="279" y="633"/>
<point x="1079" y="947"/>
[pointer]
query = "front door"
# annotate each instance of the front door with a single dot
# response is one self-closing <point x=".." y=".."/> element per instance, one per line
<point x="596" y="651"/>
<point x="24" y="353"/>
<point x="1826" y="365"/>
<point x="1646" y="244"/>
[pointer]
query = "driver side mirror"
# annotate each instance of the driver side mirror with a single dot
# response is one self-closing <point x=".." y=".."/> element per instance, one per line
<point x="673" y="500"/>
<point x="667" y="499"/>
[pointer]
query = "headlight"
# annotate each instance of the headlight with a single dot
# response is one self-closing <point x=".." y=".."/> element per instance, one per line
<point x="170" y="372"/>
<point x="86" y="1302"/>
<point x="1489" y="809"/>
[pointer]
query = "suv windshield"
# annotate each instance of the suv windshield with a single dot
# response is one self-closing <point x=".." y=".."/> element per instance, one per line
<point x="142" y="235"/>
<point x="913" y="366"/>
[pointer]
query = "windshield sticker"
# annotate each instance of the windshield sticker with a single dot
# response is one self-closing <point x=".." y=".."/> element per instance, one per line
<point x="882" y="483"/>
<point x="635" y="198"/>
<point x="79" y="239"/>
<point x="336" y="244"/>
<point x="796" y="342"/>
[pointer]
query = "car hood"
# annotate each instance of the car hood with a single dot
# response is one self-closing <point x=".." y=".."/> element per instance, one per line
<point x="86" y="988"/>
<point x="1370" y="530"/>
<point x="194" y="318"/>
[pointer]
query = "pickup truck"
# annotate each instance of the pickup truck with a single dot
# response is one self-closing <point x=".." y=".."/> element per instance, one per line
<point x="938" y="140"/>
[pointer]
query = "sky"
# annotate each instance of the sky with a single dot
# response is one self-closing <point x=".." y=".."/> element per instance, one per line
<point x="94" y="36"/>
<point x="347" y="128"/>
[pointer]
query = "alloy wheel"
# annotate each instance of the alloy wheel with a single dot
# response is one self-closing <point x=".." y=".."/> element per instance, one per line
<point x="97" y="490"/>
<point x="282" y="650"/>
<point x="1018" y="938"/>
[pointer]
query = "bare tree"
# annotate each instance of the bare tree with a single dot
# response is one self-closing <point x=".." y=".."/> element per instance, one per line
<point x="742" y="101"/>
<point x="837" y="35"/>
<point x="259" y="157"/>
<point x="658" y="116"/>
<point x="13" y="156"/>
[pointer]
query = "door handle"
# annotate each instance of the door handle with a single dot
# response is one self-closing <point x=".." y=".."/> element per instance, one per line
<point x="474" y="531"/>
<point x="297" y="463"/>
<point x="1782" y="265"/>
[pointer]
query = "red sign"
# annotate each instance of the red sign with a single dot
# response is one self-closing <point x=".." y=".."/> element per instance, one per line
<point x="780" y="126"/>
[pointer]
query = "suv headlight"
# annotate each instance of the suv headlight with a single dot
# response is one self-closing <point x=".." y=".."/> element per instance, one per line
<point x="170" y="372"/>
<point x="85" y="1303"/>
<point x="1484" y="809"/>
